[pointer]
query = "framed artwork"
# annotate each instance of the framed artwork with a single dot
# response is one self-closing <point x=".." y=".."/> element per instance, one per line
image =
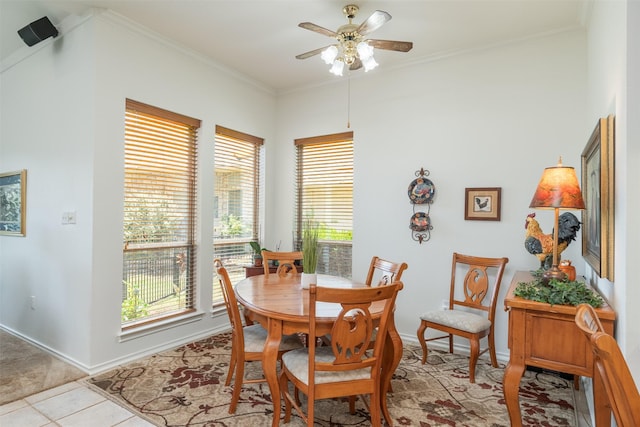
<point x="598" y="193"/>
<point x="482" y="204"/>
<point x="13" y="197"/>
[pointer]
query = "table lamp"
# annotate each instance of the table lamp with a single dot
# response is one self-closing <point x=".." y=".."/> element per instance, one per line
<point x="558" y="189"/>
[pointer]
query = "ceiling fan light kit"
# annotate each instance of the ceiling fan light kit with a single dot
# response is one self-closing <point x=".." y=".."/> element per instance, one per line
<point x="353" y="49"/>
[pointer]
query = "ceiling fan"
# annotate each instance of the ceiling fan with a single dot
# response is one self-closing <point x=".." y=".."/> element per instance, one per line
<point x="353" y="49"/>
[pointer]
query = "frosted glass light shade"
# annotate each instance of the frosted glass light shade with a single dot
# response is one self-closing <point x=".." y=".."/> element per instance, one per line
<point x="337" y="68"/>
<point x="329" y="55"/>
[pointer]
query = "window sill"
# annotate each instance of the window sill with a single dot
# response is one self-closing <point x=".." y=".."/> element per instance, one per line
<point x="160" y="326"/>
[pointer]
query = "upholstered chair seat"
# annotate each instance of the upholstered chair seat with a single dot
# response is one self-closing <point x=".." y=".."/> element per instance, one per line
<point x="469" y="322"/>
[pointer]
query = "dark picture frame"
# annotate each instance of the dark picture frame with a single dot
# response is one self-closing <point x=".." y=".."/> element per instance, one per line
<point x="482" y="204"/>
<point x="13" y="196"/>
<point x="598" y="173"/>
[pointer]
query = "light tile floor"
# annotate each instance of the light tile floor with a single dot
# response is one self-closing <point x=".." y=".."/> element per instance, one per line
<point x="69" y="405"/>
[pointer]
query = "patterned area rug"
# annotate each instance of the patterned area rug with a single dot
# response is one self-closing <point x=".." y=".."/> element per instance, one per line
<point x="185" y="387"/>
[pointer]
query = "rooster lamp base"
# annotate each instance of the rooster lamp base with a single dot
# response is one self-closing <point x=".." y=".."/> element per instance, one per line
<point x="554" y="272"/>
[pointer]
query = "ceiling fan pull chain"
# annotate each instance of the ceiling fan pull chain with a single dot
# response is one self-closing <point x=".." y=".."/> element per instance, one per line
<point x="349" y="101"/>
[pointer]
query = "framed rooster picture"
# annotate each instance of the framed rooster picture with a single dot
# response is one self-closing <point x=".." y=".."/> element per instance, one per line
<point x="598" y="194"/>
<point x="482" y="204"/>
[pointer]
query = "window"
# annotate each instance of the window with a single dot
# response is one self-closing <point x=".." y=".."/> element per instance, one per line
<point x="159" y="214"/>
<point x="324" y="176"/>
<point x="236" y="202"/>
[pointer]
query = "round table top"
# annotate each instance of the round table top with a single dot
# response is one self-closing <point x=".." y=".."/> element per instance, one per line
<point x="283" y="297"/>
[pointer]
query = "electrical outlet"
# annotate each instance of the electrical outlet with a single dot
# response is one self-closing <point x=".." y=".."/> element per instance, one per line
<point x="33" y="302"/>
<point x="445" y="304"/>
<point x="68" y="218"/>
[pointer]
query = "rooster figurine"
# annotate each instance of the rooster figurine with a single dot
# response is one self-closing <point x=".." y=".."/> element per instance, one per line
<point x="541" y="245"/>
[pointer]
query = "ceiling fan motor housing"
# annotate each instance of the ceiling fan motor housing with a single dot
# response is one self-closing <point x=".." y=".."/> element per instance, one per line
<point x="348" y="38"/>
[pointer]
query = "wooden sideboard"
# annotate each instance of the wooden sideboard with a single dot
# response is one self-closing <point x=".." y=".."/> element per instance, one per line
<point x="252" y="270"/>
<point x="546" y="336"/>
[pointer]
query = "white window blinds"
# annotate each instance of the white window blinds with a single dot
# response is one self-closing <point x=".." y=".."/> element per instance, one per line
<point x="324" y="176"/>
<point x="159" y="253"/>
<point x="237" y="195"/>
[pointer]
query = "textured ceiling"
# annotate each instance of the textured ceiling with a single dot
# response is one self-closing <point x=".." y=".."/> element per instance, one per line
<point x="260" y="38"/>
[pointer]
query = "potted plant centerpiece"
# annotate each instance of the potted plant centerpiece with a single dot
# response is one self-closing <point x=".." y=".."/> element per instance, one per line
<point x="309" y="254"/>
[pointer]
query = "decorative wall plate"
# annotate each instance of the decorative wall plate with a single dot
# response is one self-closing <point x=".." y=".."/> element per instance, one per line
<point x="420" y="221"/>
<point x="421" y="190"/>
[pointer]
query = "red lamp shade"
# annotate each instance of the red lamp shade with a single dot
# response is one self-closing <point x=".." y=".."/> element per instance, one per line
<point x="558" y="188"/>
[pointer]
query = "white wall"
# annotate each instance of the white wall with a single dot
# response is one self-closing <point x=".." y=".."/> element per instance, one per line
<point x="614" y="69"/>
<point x="492" y="118"/>
<point x="63" y="120"/>
<point x="631" y="226"/>
<point x="495" y="117"/>
<point x="47" y="128"/>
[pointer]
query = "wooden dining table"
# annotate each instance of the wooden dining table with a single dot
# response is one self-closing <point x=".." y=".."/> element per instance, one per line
<point x="282" y="307"/>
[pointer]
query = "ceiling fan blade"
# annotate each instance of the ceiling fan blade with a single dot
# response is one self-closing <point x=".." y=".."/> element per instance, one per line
<point x="311" y="53"/>
<point x="357" y="64"/>
<point x="391" y="45"/>
<point x="375" y="21"/>
<point x="317" y="28"/>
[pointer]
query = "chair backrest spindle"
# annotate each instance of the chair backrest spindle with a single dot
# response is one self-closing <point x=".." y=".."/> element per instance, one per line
<point x="385" y="272"/>
<point x="286" y="262"/>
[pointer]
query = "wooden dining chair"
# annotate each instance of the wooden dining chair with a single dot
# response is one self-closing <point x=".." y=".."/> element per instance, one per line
<point x="247" y="343"/>
<point x="384" y="272"/>
<point x="472" y="307"/>
<point x="286" y="262"/>
<point x="618" y="382"/>
<point x="345" y="368"/>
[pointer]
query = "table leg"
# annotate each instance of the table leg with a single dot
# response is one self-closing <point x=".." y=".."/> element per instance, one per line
<point x="602" y="407"/>
<point x="390" y="361"/>
<point x="511" y="383"/>
<point x="270" y="365"/>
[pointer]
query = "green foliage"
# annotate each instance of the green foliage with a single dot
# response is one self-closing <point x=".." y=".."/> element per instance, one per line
<point x="310" y="233"/>
<point x="147" y="222"/>
<point x="326" y="233"/>
<point x="558" y="292"/>
<point x="231" y="226"/>
<point x="133" y="306"/>
<point x="257" y="250"/>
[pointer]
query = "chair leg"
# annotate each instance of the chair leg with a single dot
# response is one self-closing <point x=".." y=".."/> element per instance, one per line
<point x="310" y="409"/>
<point x="374" y="409"/>
<point x="422" y="341"/>
<point x="297" y="396"/>
<point x="232" y="366"/>
<point x="352" y="404"/>
<point x="451" y="343"/>
<point x="473" y="358"/>
<point x="237" y="387"/>
<point x="492" y="350"/>
<point x="287" y="403"/>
